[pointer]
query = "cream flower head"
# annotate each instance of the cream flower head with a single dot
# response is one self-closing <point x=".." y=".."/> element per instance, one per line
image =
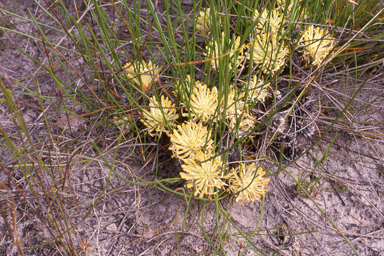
<point x="203" y="102"/>
<point x="268" y="52"/>
<point x="205" y="177"/>
<point x="248" y="183"/>
<point x="143" y="74"/>
<point x="160" y="117"/>
<point x="283" y="4"/>
<point x="247" y="123"/>
<point x="269" y="21"/>
<point x="203" y="22"/>
<point x="189" y="139"/>
<point x="317" y="44"/>
<point x="257" y="90"/>
<point x="235" y="106"/>
<point x="181" y="90"/>
<point x="213" y="51"/>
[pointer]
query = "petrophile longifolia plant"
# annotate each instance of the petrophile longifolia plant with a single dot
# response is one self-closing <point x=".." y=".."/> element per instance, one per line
<point x="193" y="109"/>
<point x="205" y="99"/>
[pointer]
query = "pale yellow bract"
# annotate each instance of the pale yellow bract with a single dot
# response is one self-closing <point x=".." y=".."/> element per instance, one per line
<point x="204" y="177"/>
<point x="317" y="44"/>
<point x="283" y="4"/>
<point x="248" y="183"/>
<point x="189" y="139"/>
<point x="182" y="89"/>
<point x="270" y="21"/>
<point x="268" y="52"/>
<point x="160" y="116"/>
<point x="247" y="123"/>
<point x="203" y="102"/>
<point x="143" y="74"/>
<point x="213" y="52"/>
<point x="257" y="90"/>
<point x="203" y="22"/>
<point x="234" y="106"/>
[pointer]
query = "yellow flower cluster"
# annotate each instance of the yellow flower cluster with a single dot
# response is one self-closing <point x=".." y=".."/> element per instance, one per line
<point x="143" y="74"/>
<point x="203" y="102"/>
<point x="267" y="49"/>
<point x="283" y="4"/>
<point x="204" y="21"/>
<point x="248" y="183"/>
<point x="267" y="52"/>
<point x="189" y="139"/>
<point x="160" y="117"/>
<point x="233" y="105"/>
<point x="317" y="44"/>
<point x="192" y="143"/>
<point x="202" y="170"/>
<point x="257" y="90"/>
<point x="214" y="48"/>
<point x="270" y="21"/>
<point x="247" y="123"/>
<point x="236" y="112"/>
<point x="203" y="175"/>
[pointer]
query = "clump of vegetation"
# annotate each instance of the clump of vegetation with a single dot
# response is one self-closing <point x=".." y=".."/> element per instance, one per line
<point x="214" y="101"/>
<point x="199" y="109"/>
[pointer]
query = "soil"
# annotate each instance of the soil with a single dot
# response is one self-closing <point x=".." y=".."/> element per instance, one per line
<point x="148" y="220"/>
